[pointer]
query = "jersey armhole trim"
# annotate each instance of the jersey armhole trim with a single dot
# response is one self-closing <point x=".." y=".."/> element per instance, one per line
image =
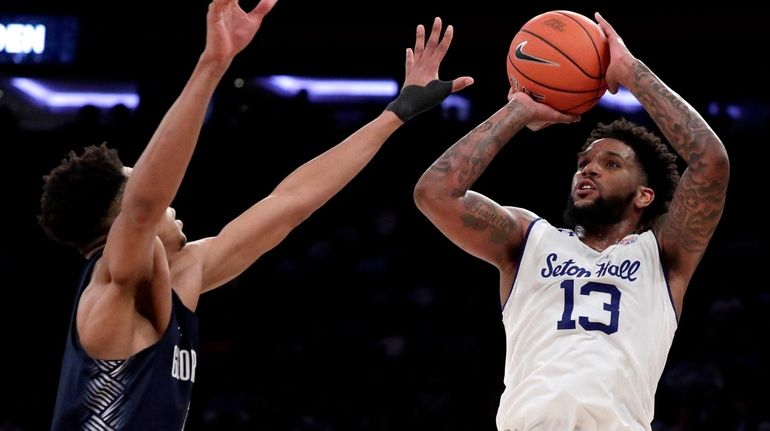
<point x="668" y="289"/>
<point x="664" y="269"/>
<point x="521" y="256"/>
<point x="85" y="277"/>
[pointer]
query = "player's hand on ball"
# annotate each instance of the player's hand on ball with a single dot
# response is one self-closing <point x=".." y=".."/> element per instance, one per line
<point x="540" y="114"/>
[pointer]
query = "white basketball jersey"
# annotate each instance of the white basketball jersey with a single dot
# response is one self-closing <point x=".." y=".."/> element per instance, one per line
<point x="587" y="334"/>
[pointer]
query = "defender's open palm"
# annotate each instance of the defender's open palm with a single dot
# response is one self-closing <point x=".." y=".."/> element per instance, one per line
<point x="230" y="28"/>
<point x="423" y="62"/>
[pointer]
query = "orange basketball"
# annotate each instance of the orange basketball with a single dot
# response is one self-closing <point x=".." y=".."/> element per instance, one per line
<point x="560" y="58"/>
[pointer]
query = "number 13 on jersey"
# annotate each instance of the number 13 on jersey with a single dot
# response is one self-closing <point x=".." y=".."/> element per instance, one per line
<point x="591" y="288"/>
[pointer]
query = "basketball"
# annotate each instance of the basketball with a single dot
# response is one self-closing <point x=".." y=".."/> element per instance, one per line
<point x="560" y="58"/>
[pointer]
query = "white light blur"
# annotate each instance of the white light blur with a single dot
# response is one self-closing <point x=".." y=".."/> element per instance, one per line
<point x="51" y="97"/>
<point x="622" y="101"/>
<point x="330" y="89"/>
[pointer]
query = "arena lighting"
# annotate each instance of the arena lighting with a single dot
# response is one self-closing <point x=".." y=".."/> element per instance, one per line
<point x="330" y="89"/>
<point x="22" y="38"/>
<point x="460" y="104"/>
<point x="349" y="90"/>
<point x="622" y="101"/>
<point x="64" y="95"/>
<point x="37" y="40"/>
<point x="731" y="110"/>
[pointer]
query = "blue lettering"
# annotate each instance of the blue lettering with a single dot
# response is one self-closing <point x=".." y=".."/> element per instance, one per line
<point x="576" y="271"/>
<point x="625" y="270"/>
<point x="632" y="270"/>
<point x="551" y="257"/>
<point x="568" y="267"/>
<point x="562" y="269"/>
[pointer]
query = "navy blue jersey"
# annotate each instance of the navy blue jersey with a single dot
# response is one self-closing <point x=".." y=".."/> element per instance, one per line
<point x="148" y="391"/>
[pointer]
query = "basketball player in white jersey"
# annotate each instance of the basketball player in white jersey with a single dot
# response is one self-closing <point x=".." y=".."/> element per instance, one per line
<point x="589" y="311"/>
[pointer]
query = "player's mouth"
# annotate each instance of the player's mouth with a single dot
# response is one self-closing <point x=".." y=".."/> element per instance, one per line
<point x="585" y="188"/>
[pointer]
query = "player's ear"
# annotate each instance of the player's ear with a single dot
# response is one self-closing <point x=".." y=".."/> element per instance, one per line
<point x="644" y="196"/>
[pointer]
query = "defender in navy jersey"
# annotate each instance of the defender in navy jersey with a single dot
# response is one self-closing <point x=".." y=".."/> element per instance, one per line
<point x="131" y="355"/>
<point x="149" y="390"/>
<point x="589" y="312"/>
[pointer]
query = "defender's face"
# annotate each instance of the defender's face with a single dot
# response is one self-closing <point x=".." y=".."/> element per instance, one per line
<point x="170" y="232"/>
<point x="169" y="228"/>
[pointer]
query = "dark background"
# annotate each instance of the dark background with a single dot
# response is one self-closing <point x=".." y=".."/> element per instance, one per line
<point x="366" y="317"/>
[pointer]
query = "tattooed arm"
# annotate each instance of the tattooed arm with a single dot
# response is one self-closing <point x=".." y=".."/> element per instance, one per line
<point x="474" y="222"/>
<point x="699" y="199"/>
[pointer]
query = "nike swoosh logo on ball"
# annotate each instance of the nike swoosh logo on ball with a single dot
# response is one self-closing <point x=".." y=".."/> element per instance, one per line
<point x="521" y="55"/>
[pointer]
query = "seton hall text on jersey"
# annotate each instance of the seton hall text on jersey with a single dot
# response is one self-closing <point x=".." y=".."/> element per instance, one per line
<point x="568" y="267"/>
<point x="626" y="270"/>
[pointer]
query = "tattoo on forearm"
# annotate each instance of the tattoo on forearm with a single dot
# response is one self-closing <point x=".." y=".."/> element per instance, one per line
<point x="467" y="159"/>
<point x="687" y="132"/>
<point x="444" y="163"/>
<point x="479" y="215"/>
<point x="695" y="212"/>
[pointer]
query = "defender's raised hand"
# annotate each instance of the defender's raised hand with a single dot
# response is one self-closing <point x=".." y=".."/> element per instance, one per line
<point x="422" y="88"/>
<point x="230" y="28"/>
<point x="423" y="62"/>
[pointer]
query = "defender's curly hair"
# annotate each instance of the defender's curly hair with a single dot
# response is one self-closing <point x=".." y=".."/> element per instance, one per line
<point x="78" y="196"/>
<point x="658" y="163"/>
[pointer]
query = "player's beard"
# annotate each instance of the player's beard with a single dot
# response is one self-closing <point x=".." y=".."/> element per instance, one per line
<point x="601" y="212"/>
